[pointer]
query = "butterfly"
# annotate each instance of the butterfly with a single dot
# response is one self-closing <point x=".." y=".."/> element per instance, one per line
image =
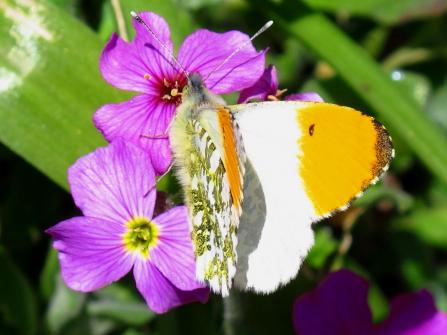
<point x="256" y="176"/>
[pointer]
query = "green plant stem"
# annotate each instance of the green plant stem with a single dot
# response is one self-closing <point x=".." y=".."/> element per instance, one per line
<point x="232" y="313"/>
<point x="120" y="20"/>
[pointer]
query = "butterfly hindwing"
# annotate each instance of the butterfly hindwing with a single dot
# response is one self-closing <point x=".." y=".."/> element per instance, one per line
<point x="212" y="174"/>
<point x="309" y="160"/>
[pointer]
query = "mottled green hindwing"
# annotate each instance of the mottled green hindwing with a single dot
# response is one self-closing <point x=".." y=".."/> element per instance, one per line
<point x="214" y="219"/>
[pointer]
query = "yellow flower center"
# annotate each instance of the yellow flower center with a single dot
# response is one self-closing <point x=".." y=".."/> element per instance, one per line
<point x="141" y="236"/>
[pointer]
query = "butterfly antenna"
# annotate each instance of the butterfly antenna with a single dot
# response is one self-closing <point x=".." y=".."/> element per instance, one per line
<point x="146" y="26"/>
<point x="243" y="45"/>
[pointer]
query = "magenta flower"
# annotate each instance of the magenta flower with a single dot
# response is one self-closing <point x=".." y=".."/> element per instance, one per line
<point x="267" y="88"/>
<point x="338" y="306"/>
<point x="144" y="66"/>
<point x="115" y="189"/>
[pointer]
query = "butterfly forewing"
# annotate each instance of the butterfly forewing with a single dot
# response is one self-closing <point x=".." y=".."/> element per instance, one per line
<point x="309" y="160"/>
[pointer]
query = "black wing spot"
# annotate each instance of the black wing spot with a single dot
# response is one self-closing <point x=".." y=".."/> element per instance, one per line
<point x="311" y="129"/>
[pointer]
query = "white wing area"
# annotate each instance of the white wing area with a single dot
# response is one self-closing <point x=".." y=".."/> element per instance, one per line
<point x="275" y="231"/>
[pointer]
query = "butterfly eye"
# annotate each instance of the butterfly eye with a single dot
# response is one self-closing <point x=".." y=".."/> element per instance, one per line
<point x="311" y="129"/>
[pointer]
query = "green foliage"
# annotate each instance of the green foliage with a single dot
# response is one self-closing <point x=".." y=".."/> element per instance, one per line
<point x="17" y="302"/>
<point x="386" y="58"/>
<point x="50" y="86"/>
<point x="390" y="12"/>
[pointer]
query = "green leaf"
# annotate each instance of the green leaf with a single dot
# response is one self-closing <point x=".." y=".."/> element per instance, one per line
<point x="131" y="331"/>
<point x="86" y="325"/>
<point x="50" y="86"/>
<point x="128" y="312"/>
<point x="377" y="302"/>
<point x="120" y="303"/>
<point x="428" y="224"/>
<point x="197" y="4"/>
<point x="108" y="23"/>
<point x="68" y="5"/>
<point x="383" y="10"/>
<point x="65" y="305"/>
<point x="414" y="84"/>
<point x="17" y="302"/>
<point x="437" y="195"/>
<point x="325" y="245"/>
<point x="396" y="109"/>
<point x="372" y="195"/>
<point x="50" y="273"/>
<point x="437" y="106"/>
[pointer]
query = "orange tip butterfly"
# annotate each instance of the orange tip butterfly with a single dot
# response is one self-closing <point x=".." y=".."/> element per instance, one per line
<point x="256" y="176"/>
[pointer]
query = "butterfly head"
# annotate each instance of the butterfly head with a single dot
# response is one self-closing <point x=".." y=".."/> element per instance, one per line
<point x="195" y="86"/>
<point x="196" y="94"/>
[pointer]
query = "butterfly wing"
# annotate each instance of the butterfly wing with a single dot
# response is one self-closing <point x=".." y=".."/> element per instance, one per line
<point x="305" y="161"/>
<point x="210" y="163"/>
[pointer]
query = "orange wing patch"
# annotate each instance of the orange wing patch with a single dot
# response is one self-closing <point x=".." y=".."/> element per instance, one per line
<point x="230" y="159"/>
<point x="342" y="152"/>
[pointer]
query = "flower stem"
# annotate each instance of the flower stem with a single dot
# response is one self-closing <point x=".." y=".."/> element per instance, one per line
<point x="120" y="19"/>
<point x="232" y="313"/>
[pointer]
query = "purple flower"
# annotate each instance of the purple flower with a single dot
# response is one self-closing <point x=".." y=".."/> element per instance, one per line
<point x="145" y="67"/>
<point x="338" y="306"/>
<point x="267" y="88"/>
<point x="414" y="314"/>
<point x="115" y="189"/>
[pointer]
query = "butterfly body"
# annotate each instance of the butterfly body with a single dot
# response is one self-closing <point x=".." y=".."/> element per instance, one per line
<point x="256" y="176"/>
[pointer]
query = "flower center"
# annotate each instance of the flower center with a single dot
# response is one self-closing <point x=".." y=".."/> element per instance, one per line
<point x="141" y="235"/>
<point x="171" y="90"/>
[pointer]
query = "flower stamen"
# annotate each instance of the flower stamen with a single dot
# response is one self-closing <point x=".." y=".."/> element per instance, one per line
<point x="171" y="91"/>
<point x="277" y="95"/>
<point x="141" y="236"/>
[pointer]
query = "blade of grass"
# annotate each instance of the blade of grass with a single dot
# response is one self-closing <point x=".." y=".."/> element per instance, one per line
<point x="399" y="112"/>
<point x="50" y="86"/>
<point x="385" y="11"/>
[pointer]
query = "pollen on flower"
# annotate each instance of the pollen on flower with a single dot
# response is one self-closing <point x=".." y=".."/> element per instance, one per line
<point x="147" y="76"/>
<point x="171" y="90"/>
<point x="141" y="236"/>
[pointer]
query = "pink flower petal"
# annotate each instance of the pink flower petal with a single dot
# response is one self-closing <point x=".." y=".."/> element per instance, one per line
<point x="160" y="294"/>
<point x="203" y="50"/>
<point x="114" y="183"/>
<point x="305" y="96"/>
<point x="174" y="255"/>
<point x="134" y="120"/>
<point x="123" y="68"/>
<point x="150" y="51"/>
<point x="140" y="64"/>
<point x="266" y="85"/>
<point x="338" y="306"/>
<point x="91" y="252"/>
<point x="414" y="314"/>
